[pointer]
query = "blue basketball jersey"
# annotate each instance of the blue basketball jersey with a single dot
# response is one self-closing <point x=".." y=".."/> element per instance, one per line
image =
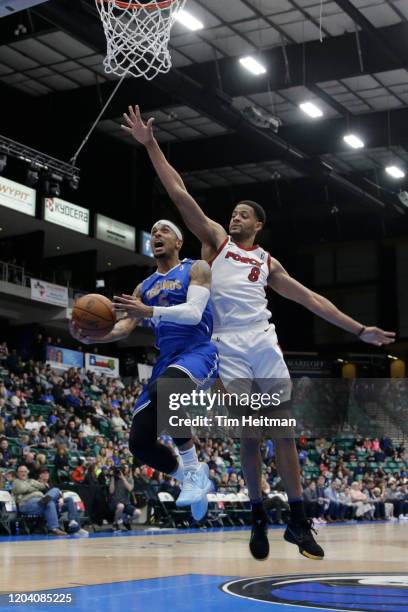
<point x="169" y="290"/>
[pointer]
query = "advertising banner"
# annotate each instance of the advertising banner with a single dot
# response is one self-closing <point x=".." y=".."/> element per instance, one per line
<point x="41" y="291"/>
<point x="66" y="214"/>
<point x="115" y="232"/>
<point x="17" y="197"/>
<point x="61" y="358"/>
<point x="100" y="364"/>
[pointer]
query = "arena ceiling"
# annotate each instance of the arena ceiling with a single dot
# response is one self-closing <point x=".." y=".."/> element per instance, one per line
<point x="352" y="63"/>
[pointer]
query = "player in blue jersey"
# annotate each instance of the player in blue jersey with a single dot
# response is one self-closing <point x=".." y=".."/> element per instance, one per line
<point x="176" y="298"/>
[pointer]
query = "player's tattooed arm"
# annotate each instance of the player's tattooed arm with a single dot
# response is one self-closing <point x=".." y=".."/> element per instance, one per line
<point x="210" y="233"/>
<point x="288" y="287"/>
<point x="121" y="330"/>
<point x="200" y="274"/>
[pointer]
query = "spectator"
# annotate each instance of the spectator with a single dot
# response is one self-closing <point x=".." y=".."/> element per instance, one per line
<point x="275" y="503"/>
<point x="12" y="430"/>
<point x="88" y="429"/>
<point x="20" y="423"/>
<point x="345" y="499"/>
<point x="44" y="440"/>
<point x="61" y="463"/>
<point x="120" y="486"/>
<point x="9" y="476"/>
<point x="313" y="508"/>
<point x="61" y="439"/>
<point x="4" y="450"/>
<point x="30" y="499"/>
<point x="335" y="510"/>
<point x="118" y="424"/>
<point x="377" y="500"/>
<point x="360" y="502"/>
<point x="30" y="464"/>
<point x="78" y="475"/>
<point x="63" y="504"/>
<point x="4" y="353"/>
<point x="32" y="424"/>
<point x="17" y="400"/>
<point x="393" y="496"/>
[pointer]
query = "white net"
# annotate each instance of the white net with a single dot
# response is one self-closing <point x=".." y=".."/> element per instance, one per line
<point x="137" y="35"/>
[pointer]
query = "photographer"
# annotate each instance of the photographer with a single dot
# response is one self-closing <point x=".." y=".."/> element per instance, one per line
<point x="120" y="487"/>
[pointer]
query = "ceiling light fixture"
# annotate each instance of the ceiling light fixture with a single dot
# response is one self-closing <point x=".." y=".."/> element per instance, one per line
<point x="189" y="21"/>
<point x="353" y="141"/>
<point x="32" y="176"/>
<point x="74" y="182"/>
<point x="252" y="65"/>
<point x="3" y="162"/>
<point x="395" y="172"/>
<point x="311" y="109"/>
<point x="52" y="184"/>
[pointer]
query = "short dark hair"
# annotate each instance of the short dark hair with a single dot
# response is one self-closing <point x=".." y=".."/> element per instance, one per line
<point x="257" y="208"/>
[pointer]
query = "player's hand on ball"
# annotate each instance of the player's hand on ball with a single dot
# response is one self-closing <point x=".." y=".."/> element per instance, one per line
<point x="132" y="307"/>
<point x="76" y="332"/>
<point x="377" y="336"/>
<point x="142" y="132"/>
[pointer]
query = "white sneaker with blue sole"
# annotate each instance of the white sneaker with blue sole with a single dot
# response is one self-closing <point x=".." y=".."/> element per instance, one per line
<point x="194" y="491"/>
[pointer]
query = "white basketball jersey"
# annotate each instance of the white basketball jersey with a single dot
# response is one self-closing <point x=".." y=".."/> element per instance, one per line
<point x="239" y="278"/>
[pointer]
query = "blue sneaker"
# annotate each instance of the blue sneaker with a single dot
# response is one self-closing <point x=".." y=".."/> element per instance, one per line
<point x="199" y="509"/>
<point x="194" y="491"/>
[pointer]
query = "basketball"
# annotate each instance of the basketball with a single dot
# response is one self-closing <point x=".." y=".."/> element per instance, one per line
<point x="94" y="314"/>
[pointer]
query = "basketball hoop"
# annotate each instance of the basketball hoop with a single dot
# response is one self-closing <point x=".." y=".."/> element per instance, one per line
<point x="137" y="35"/>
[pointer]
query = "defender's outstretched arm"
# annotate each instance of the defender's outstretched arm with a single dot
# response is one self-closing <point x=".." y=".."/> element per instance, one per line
<point x="288" y="287"/>
<point x="210" y="233"/>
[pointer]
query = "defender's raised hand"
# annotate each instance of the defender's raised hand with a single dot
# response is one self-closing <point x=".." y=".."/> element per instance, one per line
<point x="377" y="336"/>
<point x="142" y="132"/>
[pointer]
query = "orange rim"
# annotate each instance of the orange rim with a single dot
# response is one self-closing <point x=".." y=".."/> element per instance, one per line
<point x="134" y="5"/>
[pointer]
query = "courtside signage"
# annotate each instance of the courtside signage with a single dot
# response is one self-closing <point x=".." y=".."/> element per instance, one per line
<point x="66" y="214"/>
<point x="17" y="197"/>
<point x="115" y="232"/>
<point x="109" y="366"/>
<point x="49" y="293"/>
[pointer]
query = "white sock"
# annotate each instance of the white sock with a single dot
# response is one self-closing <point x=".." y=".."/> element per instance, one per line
<point x="190" y="459"/>
<point x="178" y="474"/>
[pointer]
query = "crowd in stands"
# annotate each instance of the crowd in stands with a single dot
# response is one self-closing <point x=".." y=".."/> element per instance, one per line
<point x="72" y="428"/>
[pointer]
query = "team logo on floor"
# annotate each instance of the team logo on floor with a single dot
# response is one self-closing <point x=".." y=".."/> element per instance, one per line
<point x="340" y="592"/>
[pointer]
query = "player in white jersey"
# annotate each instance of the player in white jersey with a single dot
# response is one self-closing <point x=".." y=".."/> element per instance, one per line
<point x="242" y="330"/>
<point x="245" y="339"/>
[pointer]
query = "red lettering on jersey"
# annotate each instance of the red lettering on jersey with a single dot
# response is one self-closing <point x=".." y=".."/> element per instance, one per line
<point x="244" y="260"/>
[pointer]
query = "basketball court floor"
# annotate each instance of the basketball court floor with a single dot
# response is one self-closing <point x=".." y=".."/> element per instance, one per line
<point x="208" y="571"/>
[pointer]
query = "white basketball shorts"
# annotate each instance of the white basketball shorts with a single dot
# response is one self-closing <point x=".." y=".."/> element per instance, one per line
<point x="254" y="355"/>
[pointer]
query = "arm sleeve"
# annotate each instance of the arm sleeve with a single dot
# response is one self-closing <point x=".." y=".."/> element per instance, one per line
<point x="189" y="313"/>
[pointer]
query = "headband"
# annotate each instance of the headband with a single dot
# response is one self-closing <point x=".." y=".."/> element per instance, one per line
<point x="171" y="225"/>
